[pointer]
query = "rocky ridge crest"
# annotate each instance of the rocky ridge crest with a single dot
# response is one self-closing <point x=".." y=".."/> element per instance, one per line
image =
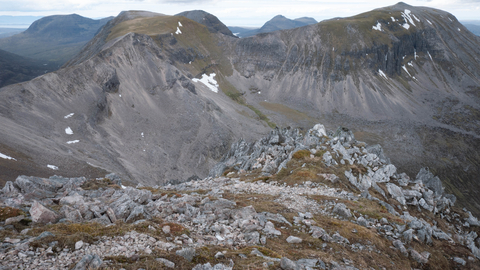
<point x="319" y="200"/>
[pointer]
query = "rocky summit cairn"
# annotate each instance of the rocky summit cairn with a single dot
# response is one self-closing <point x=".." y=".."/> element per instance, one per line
<point x="291" y="200"/>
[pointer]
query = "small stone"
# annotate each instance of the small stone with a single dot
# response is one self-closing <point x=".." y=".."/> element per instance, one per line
<point x="166" y="229"/>
<point x="459" y="261"/>
<point x="294" y="240"/>
<point x="166" y="262"/>
<point x="13" y="220"/>
<point x="78" y="245"/>
<point x="342" y="210"/>
<point x="187" y="253"/>
<point x="418" y="257"/>
<point x="219" y="255"/>
<point x="287" y="264"/>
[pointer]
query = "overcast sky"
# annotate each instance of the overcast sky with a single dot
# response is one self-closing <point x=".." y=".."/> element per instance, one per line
<point x="230" y="12"/>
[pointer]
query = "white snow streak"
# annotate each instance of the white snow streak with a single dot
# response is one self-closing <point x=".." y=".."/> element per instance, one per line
<point x="382" y="74"/>
<point x="415" y="17"/>
<point x="393" y="19"/>
<point x="180" y="24"/>
<point x="415" y="54"/>
<point x="406" y="25"/>
<point x="142" y="135"/>
<point x="404" y="68"/>
<point x="429" y="22"/>
<point x="69" y="131"/>
<point x="410" y="64"/>
<point x="68" y="116"/>
<point x="75" y="141"/>
<point x="430" y="56"/>
<point x="6" y="157"/>
<point x="377" y="27"/>
<point x="53" y="167"/>
<point x="459" y="29"/>
<point x="406" y="16"/>
<point x="209" y="81"/>
<point x="236" y="34"/>
<point x="178" y="32"/>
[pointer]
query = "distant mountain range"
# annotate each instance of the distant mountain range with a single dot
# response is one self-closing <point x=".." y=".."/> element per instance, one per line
<point x="473" y="26"/>
<point x="7" y="32"/>
<point x="278" y="22"/>
<point x="53" y="39"/>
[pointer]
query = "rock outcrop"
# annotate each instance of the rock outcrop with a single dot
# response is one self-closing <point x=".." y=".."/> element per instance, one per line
<point x="301" y="213"/>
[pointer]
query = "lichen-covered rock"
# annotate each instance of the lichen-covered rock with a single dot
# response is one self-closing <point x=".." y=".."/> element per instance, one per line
<point x="41" y="214"/>
<point x="342" y="210"/>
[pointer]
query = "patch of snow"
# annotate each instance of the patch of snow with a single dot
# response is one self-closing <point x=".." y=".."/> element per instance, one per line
<point x="190" y="62"/>
<point x="450" y="19"/>
<point x="68" y="116"/>
<point x="333" y="49"/>
<point x="404" y="68"/>
<point x="180" y="24"/>
<point x="406" y="26"/>
<point x="377" y="27"/>
<point x="53" y="167"/>
<point x="120" y="95"/>
<point x="414" y="78"/>
<point x="415" y="17"/>
<point x="178" y="32"/>
<point x="75" y="141"/>
<point x="142" y="135"/>
<point x="209" y="81"/>
<point x="415" y="54"/>
<point x="236" y="34"/>
<point x="382" y="74"/>
<point x="407" y="17"/>
<point x="123" y="187"/>
<point x="430" y="56"/>
<point x="429" y="22"/>
<point x="459" y="29"/>
<point x="6" y="157"/>
<point x="259" y="92"/>
<point x="69" y="131"/>
<point x="393" y="19"/>
<point x="410" y="64"/>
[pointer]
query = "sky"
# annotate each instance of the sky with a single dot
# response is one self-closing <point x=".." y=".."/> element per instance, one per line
<point x="253" y="13"/>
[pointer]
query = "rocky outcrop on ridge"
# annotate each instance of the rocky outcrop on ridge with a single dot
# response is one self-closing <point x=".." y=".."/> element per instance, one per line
<point x="330" y="203"/>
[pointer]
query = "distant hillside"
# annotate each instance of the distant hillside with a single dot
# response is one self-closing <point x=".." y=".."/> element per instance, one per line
<point x="472" y="27"/>
<point x="15" y="69"/>
<point x="54" y="39"/>
<point x="278" y="22"/>
<point x="7" y="32"/>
